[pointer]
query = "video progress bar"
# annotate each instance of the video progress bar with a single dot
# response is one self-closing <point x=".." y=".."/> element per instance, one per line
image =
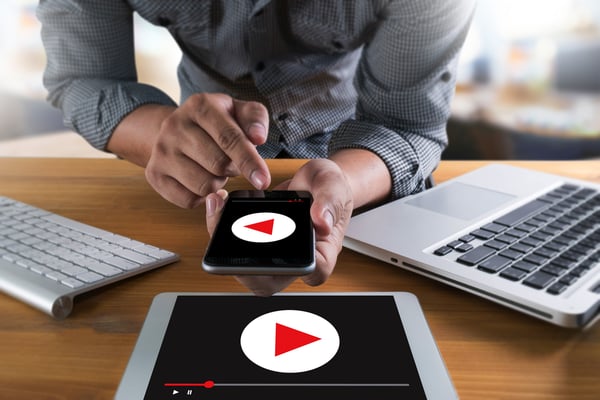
<point x="214" y="384"/>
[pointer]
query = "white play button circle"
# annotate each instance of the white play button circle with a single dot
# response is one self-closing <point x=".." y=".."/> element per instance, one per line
<point x="263" y="227"/>
<point x="290" y="341"/>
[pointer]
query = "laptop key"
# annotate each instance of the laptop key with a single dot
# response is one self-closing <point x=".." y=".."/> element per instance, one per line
<point x="475" y="256"/>
<point x="442" y="251"/>
<point x="557" y="288"/>
<point x="482" y="234"/>
<point x="522" y="213"/>
<point x="539" y="280"/>
<point x="494" y="264"/>
<point x="513" y="274"/>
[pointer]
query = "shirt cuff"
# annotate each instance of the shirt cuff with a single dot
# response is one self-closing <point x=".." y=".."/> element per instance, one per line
<point x="95" y="114"/>
<point x="410" y="158"/>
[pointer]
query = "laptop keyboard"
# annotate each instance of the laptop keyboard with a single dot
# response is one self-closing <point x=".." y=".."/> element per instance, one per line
<point x="46" y="259"/>
<point x="546" y="244"/>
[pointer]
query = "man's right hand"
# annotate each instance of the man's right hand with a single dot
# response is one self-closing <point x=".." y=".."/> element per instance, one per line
<point x="194" y="148"/>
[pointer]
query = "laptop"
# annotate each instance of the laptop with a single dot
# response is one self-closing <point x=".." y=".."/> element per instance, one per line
<point x="524" y="239"/>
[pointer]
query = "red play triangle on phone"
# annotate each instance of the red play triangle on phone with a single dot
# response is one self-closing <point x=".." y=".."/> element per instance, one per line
<point x="288" y="339"/>
<point x="263" y="226"/>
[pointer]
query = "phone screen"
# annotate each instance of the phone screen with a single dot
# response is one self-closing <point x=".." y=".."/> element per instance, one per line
<point x="263" y="232"/>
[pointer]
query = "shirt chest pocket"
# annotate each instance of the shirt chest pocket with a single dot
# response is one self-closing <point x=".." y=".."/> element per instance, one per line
<point x="328" y="27"/>
<point x="191" y="23"/>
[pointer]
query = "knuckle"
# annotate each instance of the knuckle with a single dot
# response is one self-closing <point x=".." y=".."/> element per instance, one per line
<point x="219" y="165"/>
<point x="188" y="201"/>
<point x="245" y="164"/>
<point x="169" y="124"/>
<point x="210" y="186"/>
<point x="196" y="101"/>
<point x="152" y="174"/>
<point x="229" y="138"/>
<point x="255" y="108"/>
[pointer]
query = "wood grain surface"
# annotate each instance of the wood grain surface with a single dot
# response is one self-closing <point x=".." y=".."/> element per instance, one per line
<point x="490" y="351"/>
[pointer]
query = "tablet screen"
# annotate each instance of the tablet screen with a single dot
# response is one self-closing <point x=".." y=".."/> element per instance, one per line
<point x="232" y="347"/>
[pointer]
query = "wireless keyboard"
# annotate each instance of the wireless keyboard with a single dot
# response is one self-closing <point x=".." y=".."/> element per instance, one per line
<point x="47" y="259"/>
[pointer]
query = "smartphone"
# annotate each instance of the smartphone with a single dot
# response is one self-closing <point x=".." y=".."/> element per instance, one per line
<point x="263" y="232"/>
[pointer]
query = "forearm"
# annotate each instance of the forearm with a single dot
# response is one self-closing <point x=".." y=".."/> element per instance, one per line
<point x="367" y="175"/>
<point x="136" y="134"/>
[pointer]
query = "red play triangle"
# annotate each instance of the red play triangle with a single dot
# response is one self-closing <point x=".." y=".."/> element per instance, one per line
<point x="263" y="226"/>
<point x="287" y="339"/>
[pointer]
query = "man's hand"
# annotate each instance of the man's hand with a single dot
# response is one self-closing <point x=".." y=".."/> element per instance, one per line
<point x="330" y="212"/>
<point x="193" y="149"/>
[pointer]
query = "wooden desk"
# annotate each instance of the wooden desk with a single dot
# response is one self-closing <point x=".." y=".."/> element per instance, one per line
<point x="491" y="352"/>
<point x="512" y="122"/>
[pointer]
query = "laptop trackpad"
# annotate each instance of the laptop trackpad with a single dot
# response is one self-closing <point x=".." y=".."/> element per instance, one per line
<point x="460" y="200"/>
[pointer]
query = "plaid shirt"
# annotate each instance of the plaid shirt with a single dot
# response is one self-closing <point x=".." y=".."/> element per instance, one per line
<point x="335" y="74"/>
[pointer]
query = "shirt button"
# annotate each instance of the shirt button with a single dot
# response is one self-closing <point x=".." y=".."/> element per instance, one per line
<point x="337" y="44"/>
<point x="260" y="66"/>
<point x="446" y="76"/>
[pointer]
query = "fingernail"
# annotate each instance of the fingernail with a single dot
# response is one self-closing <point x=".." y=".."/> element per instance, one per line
<point x="257" y="129"/>
<point x="258" y="179"/>
<point x="211" y="205"/>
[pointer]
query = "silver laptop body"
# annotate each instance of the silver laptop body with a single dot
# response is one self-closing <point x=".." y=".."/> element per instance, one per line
<point x="416" y="232"/>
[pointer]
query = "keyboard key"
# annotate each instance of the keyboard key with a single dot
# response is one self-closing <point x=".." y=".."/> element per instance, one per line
<point x="513" y="274"/>
<point x="504" y="238"/>
<point x="454" y="244"/>
<point x="525" y="266"/>
<point x="495" y="244"/>
<point x="557" y="288"/>
<point x="522" y="213"/>
<point x="545" y="252"/>
<point x="482" y="234"/>
<point x="553" y="270"/>
<point x="539" y="280"/>
<point x="568" y="279"/>
<point x="513" y="255"/>
<point x="494" y="228"/>
<point x="516" y="233"/>
<point x="494" y="264"/>
<point x="464" y="247"/>
<point x="89" y="277"/>
<point x="520" y="247"/>
<point x="579" y="271"/>
<point x="134" y="256"/>
<point x="442" y="251"/>
<point x="104" y="269"/>
<point x="121" y="263"/>
<point x="466" y="238"/>
<point x="475" y="256"/>
<point x="535" y="259"/>
<point x="72" y="283"/>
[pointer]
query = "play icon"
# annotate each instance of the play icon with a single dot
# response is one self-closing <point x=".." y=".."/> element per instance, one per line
<point x="263" y="227"/>
<point x="289" y="341"/>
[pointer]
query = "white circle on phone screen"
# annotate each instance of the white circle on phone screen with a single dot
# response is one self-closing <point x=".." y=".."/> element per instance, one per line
<point x="263" y="227"/>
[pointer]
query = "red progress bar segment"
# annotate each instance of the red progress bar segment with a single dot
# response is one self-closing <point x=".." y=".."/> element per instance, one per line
<point x="206" y="384"/>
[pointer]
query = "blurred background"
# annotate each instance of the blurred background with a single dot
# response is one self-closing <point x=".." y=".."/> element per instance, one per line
<point x="528" y="82"/>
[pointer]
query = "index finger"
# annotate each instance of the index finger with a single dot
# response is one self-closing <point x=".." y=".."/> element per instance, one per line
<point x="217" y="119"/>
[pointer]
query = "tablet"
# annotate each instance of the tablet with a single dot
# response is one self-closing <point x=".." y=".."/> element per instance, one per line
<point x="374" y="345"/>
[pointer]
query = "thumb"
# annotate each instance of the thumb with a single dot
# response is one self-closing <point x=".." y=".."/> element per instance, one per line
<point x="214" y="207"/>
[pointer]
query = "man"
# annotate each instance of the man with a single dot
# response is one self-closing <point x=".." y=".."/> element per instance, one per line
<point x="363" y="88"/>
